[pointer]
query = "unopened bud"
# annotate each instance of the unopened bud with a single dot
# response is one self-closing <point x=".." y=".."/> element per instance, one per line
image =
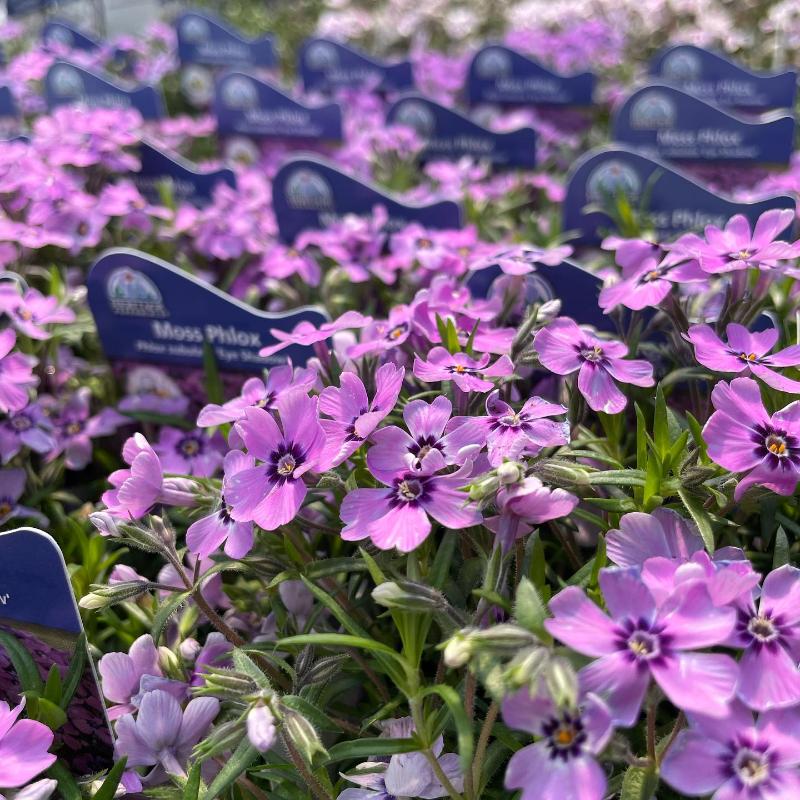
<point x="104" y="596"/>
<point x="163" y="530"/>
<point x="510" y="472"/>
<point x="548" y="310"/>
<point x="562" y="681"/>
<point x="503" y="637"/>
<point x="169" y="662"/>
<point x="561" y="473"/>
<point x="330" y="480"/>
<point x="302" y="735"/>
<point x="261" y="729"/>
<point x="105" y="523"/>
<point x="228" y="682"/>
<point x="458" y="650"/>
<point x="483" y="488"/>
<point x="408" y="596"/>
<point x="323" y="670"/>
<point x="525" y="669"/>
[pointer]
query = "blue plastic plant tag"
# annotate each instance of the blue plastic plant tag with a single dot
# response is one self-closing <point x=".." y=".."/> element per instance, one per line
<point x="576" y="288"/>
<point x="311" y="194"/>
<point x="669" y="201"/>
<point x="716" y="79"/>
<point x="149" y="311"/>
<point x="326" y="66"/>
<point x="674" y="125"/>
<point x="186" y="182"/>
<point x="247" y="106"/>
<point x="449" y="135"/>
<point x="10" y="120"/>
<point x="60" y="33"/>
<point x="38" y="612"/>
<point x="502" y="76"/>
<point x="21" y="8"/>
<point x="207" y="40"/>
<point x="68" y="84"/>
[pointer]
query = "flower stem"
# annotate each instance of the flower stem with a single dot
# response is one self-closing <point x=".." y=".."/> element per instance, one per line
<point x="483" y="743"/>
<point x="680" y="721"/>
<point x="313" y="784"/>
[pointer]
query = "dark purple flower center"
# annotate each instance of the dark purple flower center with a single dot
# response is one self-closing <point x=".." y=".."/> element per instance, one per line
<point x="266" y="401"/>
<point x="653" y="275"/>
<point x="224" y="514"/>
<point x="190" y="446"/>
<point x="284" y="461"/>
<point x="762" y="629"/>
<point x="393" y="334"/>
<point x="643" y="642"/>
<point x="20" y="423"/>
<point x="780" y="449"/>
<point x="423" y="445"/>
<point x="25" y="314"/>
<point x="408" y="490"/>
<point x="6" y="506"/>
<point x="350" y="430"/>
<point x="748" y="358"/>
<point x="565" y="735"/>
<point x="741" y="255"/>
<point x="74" y="427"/>
<point x="460" y="369"/>
<point x="749" y="762"/>
<point x="591" y="352"/>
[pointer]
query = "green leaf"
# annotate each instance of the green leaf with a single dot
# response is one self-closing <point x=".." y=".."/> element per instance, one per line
<point x="697" y="435"/>
<point x="455" y="706"/>
<point x="45" y="711"/>
<point x="342" y="640"/>
<point x="660" y="425"/>
<point x="639" y="783"/>
<point x="110" y="784"/>
<point x="538" y="569"/>
<point x="68" y="788"/>
<point x="244" y="755"/>
<point x="23" y="663"/>
<point x="451" y="343"/>
<point x="700" y="516"/>
<point x="599" y="559"/>
<point x="311" y="711"/>
<point x="442" y="561"/>
<point x="191" y="791"/>
<point x="165" y="611"/>
<point x="52" y="686"/>
<point x="215" y="392"/>
<point x="74" y="673"/>
<point x="652" y="484"/>
<point x="341" y="615"/>
<point x="245" y="664"/>
<point x="781" y="555"/>
<point x="362" y="749"/>
<point x="529" y="610"/>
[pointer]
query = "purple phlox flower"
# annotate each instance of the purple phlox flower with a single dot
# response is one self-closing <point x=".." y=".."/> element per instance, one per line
<point x="280" y="262"/>
<point x="640" y="640"/>
<point x="743" y="437"/>
<point x="261" y="730"/>
<point x="381" y="335"/>
<point x="522" y="259"/>
<point x="38" y="790"/>
<point x="211" y="586"/>
<point x="353" y="416"/>
<point x="430" y="249"/>
<point x="258" y="393"/>
<point x="216" y="652"/>
<point x="16" y="376"/>
<point x="189" y="452"/>
<point x="429" y="429"/>
<point x="74" y="427"/>
<point x="736" y="247"/>
<point x="511" y="434"/>
<point x="398" y="516"/>
<point x="735" y="758"/>
<point x="24" y="745"/>
<point x="563" y="759"/>
<point x="745" y="351"/>
<point x="121" y="674"/>
<point x="151" y="389"/>
<point x="527" y="503"/>
<point x="564" y="348"/>
<point x="137" y="489"/>
<point x="647" y="283"/>
<point x="30" y="428"/>
<point x="124" y="200"/>
<point x="32" y="310"/>
<point x="306" y="333"/>
<point x="204" y="536"/>
<point x="12" y="487"/>
<point x="768" y="630"/>
<point x="469" y="374"/>
<point x="271" y="493"/>
<point x="487" y="339"/>
<point x="163" y="734"/>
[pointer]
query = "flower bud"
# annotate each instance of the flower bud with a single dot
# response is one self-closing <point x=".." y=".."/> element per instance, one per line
<point x="261" y="729"/>
<point x="525" y="669"/>
<point x="228" y="682"/>
<point x="302" y="735"/>
<point x="408" y="596"/>
<point x="483" y="488"/>
<point x="104" y="596"/>
<point x="105" y="523"/>
<point x="548" y="310"/>
<point x="510" y="472"/>
<point x="503" y="637"/>
<point x="323" y="670"/>
<point x="458" y="649"/>
<point x="562" y="681"/>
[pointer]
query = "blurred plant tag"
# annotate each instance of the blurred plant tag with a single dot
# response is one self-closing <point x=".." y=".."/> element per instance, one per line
<point x="502" y="76"/>
<point x="60" y="35"/>
<point x="669" y="123"/>
<point x="38" y="612"/>
<point x="450" y="135"/>
<point x="69" y="84"/>
<point x="187" y="183"/>
<point x="325" y="66"/>
<point x="149" y="311"/>
<point x="717" y="79"/>
<point x="247" y="106"/>
<point x="665" y="199"/>
<point x="309" y="193"/>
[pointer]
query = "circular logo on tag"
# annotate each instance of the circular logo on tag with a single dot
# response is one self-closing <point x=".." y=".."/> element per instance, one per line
<point x="493" y="63"/>
<point x="239" y="92"/>
<point x="307" y="189"/>
<point x="612" y="178"/>
<point x="59" y="34"/>
<point x="652" y="110"/>
<point x="132" y="294"/>
<point x="321" y="56"/>
<point x="681" y="65"/>
<point x="197" y="85"/>
<point x="194" y="29"/>
<point x="65" y="81"/>
<point x="241" y="150"/>
<point x="416" y="115"/>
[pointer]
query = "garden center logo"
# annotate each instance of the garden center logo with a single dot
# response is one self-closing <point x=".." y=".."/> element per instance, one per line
<point x="322" y="56"/>
<point x="59" y="35"/>
<point x="194" y="30"/>
<point x="682" y="65"/>
<point x="493" y="63"/>
<point x="307" y="189"/>
<point x="239" y="92"/>
<point x="66" y="81"/>
<point x="651" y="111"/>
<point x="132" y="294"/>
<point x="417" y="116"/>
<point x="612" y="179"/>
